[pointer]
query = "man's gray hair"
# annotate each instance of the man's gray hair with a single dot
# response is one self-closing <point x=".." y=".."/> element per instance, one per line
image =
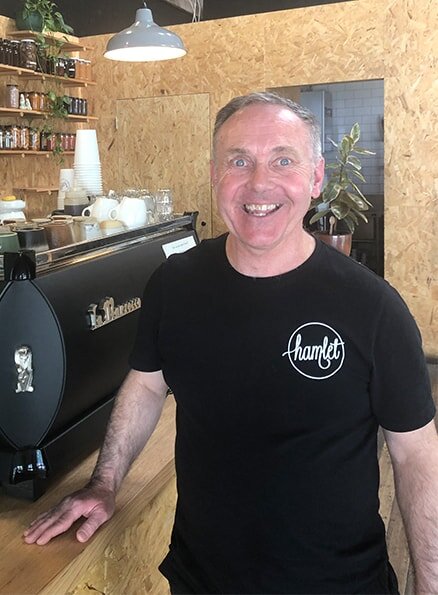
<point x="269" y="98"/>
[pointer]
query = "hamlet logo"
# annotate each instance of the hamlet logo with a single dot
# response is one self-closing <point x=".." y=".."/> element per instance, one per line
<point x="316" y="350"/>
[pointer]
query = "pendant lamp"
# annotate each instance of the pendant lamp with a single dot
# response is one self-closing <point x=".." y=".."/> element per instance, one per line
<point x="144" y="41"/>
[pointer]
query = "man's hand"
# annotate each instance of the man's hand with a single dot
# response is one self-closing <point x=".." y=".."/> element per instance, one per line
<point x="94" y="503"/>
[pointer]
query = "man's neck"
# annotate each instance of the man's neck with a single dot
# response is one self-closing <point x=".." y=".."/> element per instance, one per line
<point x="269" y="263"/>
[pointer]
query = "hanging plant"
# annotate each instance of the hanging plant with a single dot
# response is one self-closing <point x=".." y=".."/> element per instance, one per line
<point x="41" y="15"/>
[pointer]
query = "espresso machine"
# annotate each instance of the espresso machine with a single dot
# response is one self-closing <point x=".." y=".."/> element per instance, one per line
<point x="68" y="319"/>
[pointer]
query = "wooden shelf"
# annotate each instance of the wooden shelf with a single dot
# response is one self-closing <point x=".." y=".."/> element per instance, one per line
<point x="70" y="42"/>
<point x="16" y="70"/>
<point x="33" y="153"/>
<point x="26" y="73"/>
<point x="27" y="113"/>
<point x="37" y="190"/>
<point x="65" y="80"/>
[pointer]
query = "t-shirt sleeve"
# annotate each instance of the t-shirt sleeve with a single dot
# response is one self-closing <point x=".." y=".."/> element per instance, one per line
<point x="145" y="355"/>
<point x="400" y="388"/>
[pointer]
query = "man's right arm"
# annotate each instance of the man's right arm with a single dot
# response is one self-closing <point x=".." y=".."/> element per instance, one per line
<point x="135" y="414"/>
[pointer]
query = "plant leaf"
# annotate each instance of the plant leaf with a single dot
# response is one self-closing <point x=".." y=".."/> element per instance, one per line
<point x="318" y="215"/>
<point x="339" y="209"/>
<point x="354" y="161"/>
<point x="358" y="201"/>
<point x="355" y="132"/>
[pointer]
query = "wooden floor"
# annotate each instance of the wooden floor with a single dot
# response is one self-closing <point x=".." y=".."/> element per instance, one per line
<point x="396" y="539"/>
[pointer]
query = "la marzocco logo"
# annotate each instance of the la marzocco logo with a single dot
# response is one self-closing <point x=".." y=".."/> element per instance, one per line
<point x="316" y="350"/>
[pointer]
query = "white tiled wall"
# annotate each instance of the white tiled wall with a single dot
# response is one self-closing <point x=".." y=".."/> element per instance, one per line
<point x="361" y="102"/>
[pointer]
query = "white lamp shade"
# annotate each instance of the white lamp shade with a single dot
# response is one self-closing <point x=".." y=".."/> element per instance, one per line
<point x="144" y="41"/>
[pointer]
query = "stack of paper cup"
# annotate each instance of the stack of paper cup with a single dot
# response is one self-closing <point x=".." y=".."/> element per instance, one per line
<point x="87" y="167"/>
<point x="66" y="177"/>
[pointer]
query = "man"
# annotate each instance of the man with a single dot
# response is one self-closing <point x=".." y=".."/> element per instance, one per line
<point x="284" y="357"/>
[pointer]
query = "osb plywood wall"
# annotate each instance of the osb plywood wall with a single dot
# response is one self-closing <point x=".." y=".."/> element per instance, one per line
<point x="396" y="40"/>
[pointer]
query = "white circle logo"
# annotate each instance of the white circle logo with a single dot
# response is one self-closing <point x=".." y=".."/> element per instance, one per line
<point x="316" y="350"/>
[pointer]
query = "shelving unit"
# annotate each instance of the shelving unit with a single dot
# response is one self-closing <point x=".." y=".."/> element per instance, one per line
<point x="23" y="113"/>
<point x="27" y="74"/>
<point x="33" y="153"/>
<point x="66" y="43"/>
<point x="70" y="43"/>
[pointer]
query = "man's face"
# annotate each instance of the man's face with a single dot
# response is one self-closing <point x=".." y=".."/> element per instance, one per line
<point x="264" y="175"/>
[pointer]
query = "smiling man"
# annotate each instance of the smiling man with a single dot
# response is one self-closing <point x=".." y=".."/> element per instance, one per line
<point x="284" y="357"/>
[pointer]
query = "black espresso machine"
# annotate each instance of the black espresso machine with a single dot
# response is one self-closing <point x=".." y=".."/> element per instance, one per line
<point x="68" y="320"/>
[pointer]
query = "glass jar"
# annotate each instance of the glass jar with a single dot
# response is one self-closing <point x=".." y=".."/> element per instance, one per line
<point x="16" y="138"/>
<point x="34" y="140"/>
<point x="15" y="52"/>
<point x="34" y="98"/>
<point x="28" y="54"/>
<point x="41" y="58"/>
<point x="2" y="51"/>
<point x="12" y="96"/>
<point x="1" y="138"/>
<point x="25" y="138"/>
<point x="71" y="68"/>
<point x="164" y="204"/>
<point x="7" y="138"/>
<point x="60" y="66"/>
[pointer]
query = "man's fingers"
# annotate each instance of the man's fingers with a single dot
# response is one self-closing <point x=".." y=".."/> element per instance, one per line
<point x="90" y="526"/>
<point x="50" y="526"/>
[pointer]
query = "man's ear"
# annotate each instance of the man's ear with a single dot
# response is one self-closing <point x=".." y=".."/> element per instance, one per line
<point x="318" y="178"/>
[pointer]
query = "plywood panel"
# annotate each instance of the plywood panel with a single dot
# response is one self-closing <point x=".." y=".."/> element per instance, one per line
<point x="164" y="142"/>
<point x="392" y="39"/>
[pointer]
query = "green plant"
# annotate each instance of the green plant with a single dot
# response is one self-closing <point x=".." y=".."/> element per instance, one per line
<point x="341" y="196"/>
<point x="52" y="19"/>
<point x="58" y="104"/>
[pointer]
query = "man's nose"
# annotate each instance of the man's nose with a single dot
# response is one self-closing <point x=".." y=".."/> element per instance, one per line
<point x="260" y="177"/>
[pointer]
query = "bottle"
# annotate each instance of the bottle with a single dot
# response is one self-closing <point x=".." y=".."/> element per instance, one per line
<point x="12" y="96"/>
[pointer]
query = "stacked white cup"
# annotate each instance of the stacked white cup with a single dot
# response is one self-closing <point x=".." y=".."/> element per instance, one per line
<point x="87" y="168"/>
<point x="66" y="181"/>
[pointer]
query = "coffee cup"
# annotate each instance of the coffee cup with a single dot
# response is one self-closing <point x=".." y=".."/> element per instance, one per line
<point x="86" y="228"/>
<point x="9" y="241"/>
<point x="75" y="202"/>
<point x="59" y="233"/>
<point x="111" y="226"/>
<point x="131" y="212"/>
<point x="101" y="208"/>
<point x="32" y="237"/>
<point x="40" y="221"/>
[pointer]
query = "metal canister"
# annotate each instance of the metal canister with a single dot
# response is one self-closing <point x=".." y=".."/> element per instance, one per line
<point x="28" y="54"/>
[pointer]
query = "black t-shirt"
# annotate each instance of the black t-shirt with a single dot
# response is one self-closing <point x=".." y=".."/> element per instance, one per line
<point x="280" y="384"/>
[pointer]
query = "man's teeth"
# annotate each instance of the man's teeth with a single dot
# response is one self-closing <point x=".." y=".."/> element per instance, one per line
<point x="260" y="210"/>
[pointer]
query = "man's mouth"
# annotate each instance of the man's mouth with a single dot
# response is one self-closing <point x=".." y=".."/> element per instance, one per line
<point x="260" y="210"/>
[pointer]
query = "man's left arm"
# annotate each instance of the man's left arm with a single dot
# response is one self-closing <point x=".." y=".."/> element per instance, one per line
<point x="414" y="457"/>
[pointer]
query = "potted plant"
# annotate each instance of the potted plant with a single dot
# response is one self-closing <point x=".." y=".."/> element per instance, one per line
<point x="41" y="15"/>
<point x="341" y="200"/>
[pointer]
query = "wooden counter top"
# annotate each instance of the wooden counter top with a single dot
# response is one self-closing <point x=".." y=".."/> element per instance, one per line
<point x="53" y="568"/>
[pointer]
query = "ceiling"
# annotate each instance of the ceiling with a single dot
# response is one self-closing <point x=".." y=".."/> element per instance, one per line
<point x="94" y="17"/>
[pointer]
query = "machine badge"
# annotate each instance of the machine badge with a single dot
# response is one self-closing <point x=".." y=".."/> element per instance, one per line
<point x="23" y="364"/>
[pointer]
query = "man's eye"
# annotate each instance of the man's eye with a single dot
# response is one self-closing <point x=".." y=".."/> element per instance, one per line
<point x="285" y="161"/>
<point x="239" y="162"/>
